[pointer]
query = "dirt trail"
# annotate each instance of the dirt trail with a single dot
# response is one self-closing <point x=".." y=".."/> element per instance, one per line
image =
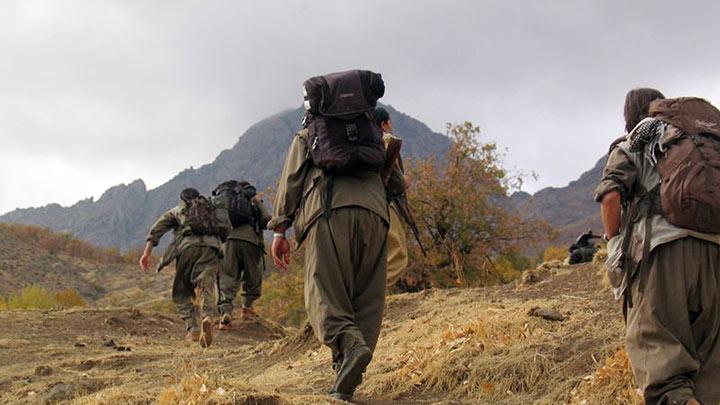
<point x="451" y="346"/>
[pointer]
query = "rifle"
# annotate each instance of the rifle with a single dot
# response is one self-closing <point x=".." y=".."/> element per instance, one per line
<point x="404" y="210"/>
<point x="393" y="162"/>
<point x="392" y="157"/>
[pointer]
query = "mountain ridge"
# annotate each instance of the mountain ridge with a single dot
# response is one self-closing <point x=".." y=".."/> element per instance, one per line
<point x="123" y="213"/>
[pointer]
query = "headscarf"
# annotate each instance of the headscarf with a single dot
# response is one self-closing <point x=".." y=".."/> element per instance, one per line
<point x="381" y="115"/>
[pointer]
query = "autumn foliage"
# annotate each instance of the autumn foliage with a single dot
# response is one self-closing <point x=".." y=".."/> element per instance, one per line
<point x="474" y="235"/>
<point x="61" y="243"/>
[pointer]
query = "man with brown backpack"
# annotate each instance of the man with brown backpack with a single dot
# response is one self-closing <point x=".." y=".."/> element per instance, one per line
<point x="199" y="228"/>
<point x="332" y="192"/>
<point x="244" y="249"/>
<point x="660" y="196"/>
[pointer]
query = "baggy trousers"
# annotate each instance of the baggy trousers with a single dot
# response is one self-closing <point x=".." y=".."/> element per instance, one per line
<point x="195" y="275"/>
<point x="345" y="270"/>
<point x="397" y="248"/>
<point x="673" y="330"/>
<point x="240" y="267"/>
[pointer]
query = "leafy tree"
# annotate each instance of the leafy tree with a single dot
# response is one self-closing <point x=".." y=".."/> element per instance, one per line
<point x="473" y="234"/>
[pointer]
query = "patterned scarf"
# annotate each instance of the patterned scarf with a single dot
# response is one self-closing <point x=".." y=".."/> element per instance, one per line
<point x="647" y="136"/>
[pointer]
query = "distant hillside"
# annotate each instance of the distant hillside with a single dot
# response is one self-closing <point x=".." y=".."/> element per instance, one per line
<point x="123" y="214"/>
<point x="32" y="255"/>
<point x="570" y="209"/>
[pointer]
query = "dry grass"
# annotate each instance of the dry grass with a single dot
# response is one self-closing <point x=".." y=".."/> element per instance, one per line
<point x="112" y="396"/>
<point x="497" y="354"/>
<point x="465" y="345"/>
<point x="613" y="379"/>
<point x="202" y="389"/>
<point x="485" y="359"/>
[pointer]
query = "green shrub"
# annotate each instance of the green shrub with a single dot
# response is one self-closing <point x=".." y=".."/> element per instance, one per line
<point x="32" y="297"/>
<point x="37" y="297"/>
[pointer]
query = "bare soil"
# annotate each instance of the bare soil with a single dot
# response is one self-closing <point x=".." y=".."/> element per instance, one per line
<point x="442" y="346"/>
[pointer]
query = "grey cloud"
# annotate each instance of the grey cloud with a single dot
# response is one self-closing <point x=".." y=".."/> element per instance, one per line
<point x="124" y="89"/>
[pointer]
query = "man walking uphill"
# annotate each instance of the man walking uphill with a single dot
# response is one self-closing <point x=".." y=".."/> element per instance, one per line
<point x="198" y="229"/>
<point x="332" y="192"/>
<point x="394" y="178"/>
<point x="661" y="212"/>
<point x="244" y="249"/>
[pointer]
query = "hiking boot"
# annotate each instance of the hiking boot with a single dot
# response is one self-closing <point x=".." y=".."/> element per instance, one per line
<point x="336" y="363"/>
<point x="206" y="331"/>
<point x="349" y="376"/>
<point x="193" y="335"/>
<point x="248" y="314"/>
<point x="341" y="397"/>
<point x="225" y="323"/>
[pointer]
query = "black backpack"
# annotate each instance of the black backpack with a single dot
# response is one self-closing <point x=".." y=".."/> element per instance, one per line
<point x="236" y="197"/>
<point x="200" y="219"/>
<point x="342" y="135"/>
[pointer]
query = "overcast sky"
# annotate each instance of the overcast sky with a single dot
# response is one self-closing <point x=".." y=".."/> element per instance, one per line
<point x="95" y="93"/>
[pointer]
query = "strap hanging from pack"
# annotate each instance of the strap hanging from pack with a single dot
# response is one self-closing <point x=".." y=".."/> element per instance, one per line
<point x="642" y="209"/>
<point x="330" y="180"/>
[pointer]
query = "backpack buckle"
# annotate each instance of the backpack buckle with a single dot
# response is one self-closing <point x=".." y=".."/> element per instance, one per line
<point x="352" y="131"/>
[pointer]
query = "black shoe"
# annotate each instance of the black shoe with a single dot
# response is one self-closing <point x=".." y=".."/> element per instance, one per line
<point x="351" y="371"/>
<point x="342" y="397"/>
<point x="337" y="362"/>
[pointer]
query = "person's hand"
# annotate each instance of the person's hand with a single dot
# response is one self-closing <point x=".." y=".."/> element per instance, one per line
<point x="281" y="252"/>
<point x="145" y="261"/>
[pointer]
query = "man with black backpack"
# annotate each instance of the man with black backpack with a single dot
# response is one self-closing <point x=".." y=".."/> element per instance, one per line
<point x="331" y="190"/>
<point x="199" y="229"/>
<point x="244" y="249"/>
<point x="660" y="195"/>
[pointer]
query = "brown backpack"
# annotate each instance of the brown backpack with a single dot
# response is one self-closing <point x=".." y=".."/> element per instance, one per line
<point x="690" y="168"/>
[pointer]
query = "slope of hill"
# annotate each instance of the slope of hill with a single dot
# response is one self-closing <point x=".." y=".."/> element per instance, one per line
<point x="443" y="346"/>
<point x="123" y="214"/>
<point x="570" y="209"/>
<point x="35" y="256"/>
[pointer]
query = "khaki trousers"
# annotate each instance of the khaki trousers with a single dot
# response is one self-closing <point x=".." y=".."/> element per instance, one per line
<point x="397" y="248"/>
<point x="345" y="270"/>
<point x="673" y="330"/>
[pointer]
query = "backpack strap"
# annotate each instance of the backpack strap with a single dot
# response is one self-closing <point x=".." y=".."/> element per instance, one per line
<point x="329" y="185"/>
